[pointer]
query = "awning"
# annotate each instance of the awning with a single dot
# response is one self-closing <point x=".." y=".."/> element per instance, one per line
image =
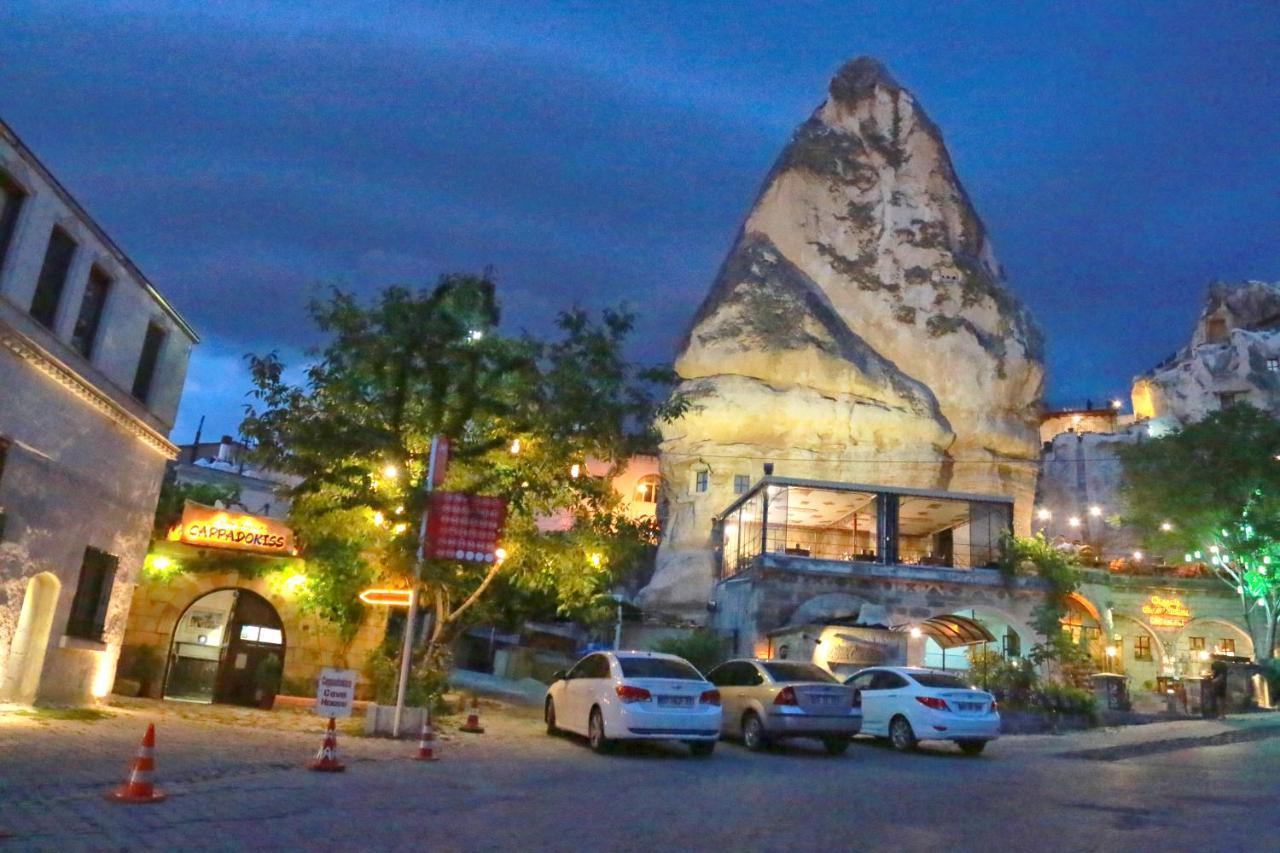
<point x="951" y="631"/>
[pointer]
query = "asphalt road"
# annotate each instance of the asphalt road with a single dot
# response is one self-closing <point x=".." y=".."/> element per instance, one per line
<point x="514" y="788"/>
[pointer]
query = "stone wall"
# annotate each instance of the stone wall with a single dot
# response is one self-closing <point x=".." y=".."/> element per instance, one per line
<point x="310" y="642"/>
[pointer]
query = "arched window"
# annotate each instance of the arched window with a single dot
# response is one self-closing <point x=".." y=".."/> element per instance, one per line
<point x="647" y="489"/>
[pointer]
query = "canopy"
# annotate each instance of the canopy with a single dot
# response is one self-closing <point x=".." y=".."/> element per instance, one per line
<point x="951" y="631"/>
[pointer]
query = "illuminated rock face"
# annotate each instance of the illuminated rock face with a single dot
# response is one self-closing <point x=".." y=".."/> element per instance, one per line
<point x="859" y="331"/>
<point x="1233" y="356"/>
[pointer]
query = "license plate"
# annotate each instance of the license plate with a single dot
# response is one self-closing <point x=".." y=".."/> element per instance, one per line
<point x="676" y="701"/>
<point x="969" y="706"/>
<point x="826" y="700"/>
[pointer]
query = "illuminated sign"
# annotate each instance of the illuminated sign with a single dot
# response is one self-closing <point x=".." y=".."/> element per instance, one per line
<point x="1166" y="611"/>
<point x="464" y="527"/>
<point x="209" y="527"/>
<point x="386" y="597"/>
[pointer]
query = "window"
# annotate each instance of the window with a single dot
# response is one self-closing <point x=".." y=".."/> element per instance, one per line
<point x="701" y="480"/>
<point x="11" y="199"/>
<point x="147" y="361"/>
<point x="1142" y="648"/>
<point x="735" y="674"/>
<point x="1227" y="646"/>
<point x="93" y="595"/>
<point x="862" y="681"/>
<point x="1197" y="644"/>
<point x="647" y="489"/>
<point x="53" y="277"/>
<point x="91" y="307"/>
<point x="741" y="482"/>
<point x="593" y="666"/>
<point x="885" y="680"/>
<point x="1227" y="399"/>
<point x="937" y="679"/>
<point x="1012" y="644"/>
<point x="658" y="668"/>
<point x="784" y="672"/>
<point x="1215" y="330"/>
<point x="1273" y="365"/>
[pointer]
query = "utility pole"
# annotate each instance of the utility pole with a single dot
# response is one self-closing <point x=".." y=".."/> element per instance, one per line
<point x="438" y="444"/>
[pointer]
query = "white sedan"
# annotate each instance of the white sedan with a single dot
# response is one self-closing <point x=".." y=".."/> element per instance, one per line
<point x="612" y="696"/>
<point x="909" y="704"/>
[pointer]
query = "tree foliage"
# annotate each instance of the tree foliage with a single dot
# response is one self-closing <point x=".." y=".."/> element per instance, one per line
<point x="521" y="413"/>
<point x="1035" y="556"/>
<point x="1210" y="493"/>
<point x="174" y="495"/>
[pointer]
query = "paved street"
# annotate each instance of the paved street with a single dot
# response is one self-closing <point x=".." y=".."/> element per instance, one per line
<point x="238" y="782"/>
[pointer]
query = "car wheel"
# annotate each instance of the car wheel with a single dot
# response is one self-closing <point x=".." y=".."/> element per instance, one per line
<point x="972" y="747"/>
<point x="901" y="735"/>
<point x="702" y="748"/>
<point x="753" y="736"/>
<point x="595" y="732"/>
<point x="836" y="745"/>
<point x="550" y="716"/>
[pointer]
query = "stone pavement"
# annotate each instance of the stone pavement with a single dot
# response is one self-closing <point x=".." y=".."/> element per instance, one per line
<point x="236" y="780"/>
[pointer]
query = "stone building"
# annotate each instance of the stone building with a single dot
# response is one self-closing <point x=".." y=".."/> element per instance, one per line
<point x="92" y="365"/>
<point x="859" y="331"/>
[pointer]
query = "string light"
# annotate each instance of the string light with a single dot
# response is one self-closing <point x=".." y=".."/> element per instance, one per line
<point x="1166" y="526"/>
<point x="575" y="470"/>
<point x="1074" y="521"/>
<point x="515" y="446"/>
<point x="390" y="471"/>
<point x="1095" y="511"/>
<point x="1044" y="514"/>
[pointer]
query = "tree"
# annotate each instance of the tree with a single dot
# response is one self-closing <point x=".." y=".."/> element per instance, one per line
<point x="1211" y="492"/>
<point x="174" y="495"/>
<point x="1060" y="572"/>
<point x="524" y="415"/>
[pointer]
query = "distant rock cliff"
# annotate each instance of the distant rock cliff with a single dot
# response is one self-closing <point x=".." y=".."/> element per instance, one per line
<point x="859" y="330"/>
<point x="1233" y="356"/>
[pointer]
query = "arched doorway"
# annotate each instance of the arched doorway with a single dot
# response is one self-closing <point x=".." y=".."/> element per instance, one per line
<point x="31" y="639"/>
<point x="227" y="647"/>
<point x="998" y="634"/>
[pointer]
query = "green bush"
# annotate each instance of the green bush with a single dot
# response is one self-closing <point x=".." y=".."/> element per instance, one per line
<point x="702" y="648"/>
<point x="428" y="676"/>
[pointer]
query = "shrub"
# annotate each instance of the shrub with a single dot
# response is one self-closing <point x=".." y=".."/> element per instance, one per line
<point x="428" y="675"/>
<point x="702" y="648"/>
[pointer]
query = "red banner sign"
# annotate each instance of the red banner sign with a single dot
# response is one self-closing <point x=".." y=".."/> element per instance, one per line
<point x="464" y="527"/>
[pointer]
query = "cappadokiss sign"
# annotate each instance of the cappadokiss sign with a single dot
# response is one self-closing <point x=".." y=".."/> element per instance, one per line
<point x="210" y="527"/>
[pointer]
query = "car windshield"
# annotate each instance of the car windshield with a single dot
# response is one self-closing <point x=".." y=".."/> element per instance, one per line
<point x="937" y="679"/>
<point x="658" y="668"/>
<point x="796" y="672"/>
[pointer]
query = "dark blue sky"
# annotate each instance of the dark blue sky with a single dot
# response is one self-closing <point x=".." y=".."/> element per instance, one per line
<point x="1122" y="154"/>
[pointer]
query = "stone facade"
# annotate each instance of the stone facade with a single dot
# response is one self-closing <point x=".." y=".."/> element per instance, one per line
<point x="83" y="439"/>
<point x="860" y="291"/>
<point x="311" y="643"/>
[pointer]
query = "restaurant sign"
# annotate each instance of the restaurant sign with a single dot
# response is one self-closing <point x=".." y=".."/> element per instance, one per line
<point x="210" y="527"/>
<point x="1166" y="611"/>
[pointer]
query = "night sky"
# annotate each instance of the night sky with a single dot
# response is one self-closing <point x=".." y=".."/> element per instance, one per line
<point x="1122" y="155"/>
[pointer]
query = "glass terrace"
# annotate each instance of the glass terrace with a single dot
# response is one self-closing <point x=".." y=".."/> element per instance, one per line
<point x="862" y="524"/>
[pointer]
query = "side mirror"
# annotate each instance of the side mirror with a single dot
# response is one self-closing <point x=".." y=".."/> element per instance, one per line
<point x="558" y="675"/>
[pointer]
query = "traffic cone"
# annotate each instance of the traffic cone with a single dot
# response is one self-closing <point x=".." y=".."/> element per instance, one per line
<point x="138" y="788"/>
<point x="472" y="725"/>
<point x="427" y="744"/>
<point x="327" y="758"/>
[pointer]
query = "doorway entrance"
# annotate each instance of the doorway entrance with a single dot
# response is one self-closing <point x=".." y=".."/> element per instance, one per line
<point x="21" y="680"/>
<point x="228" y="647"/>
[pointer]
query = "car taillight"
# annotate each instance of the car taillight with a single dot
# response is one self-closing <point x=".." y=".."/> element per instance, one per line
<point x="933" y="702"/>
<point x="710" y="697"/>
<point x="995" y="706"/>
<point x="627" y="693"/>
<point x="786" y="696"/>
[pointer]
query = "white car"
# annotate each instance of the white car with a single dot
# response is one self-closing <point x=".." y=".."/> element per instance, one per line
<point x="909" y="704"/>
<point x="612" y="696"/>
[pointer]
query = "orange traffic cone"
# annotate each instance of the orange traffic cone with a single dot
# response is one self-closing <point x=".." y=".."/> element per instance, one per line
<point x="327" y="758"/>
<point x="138" y="788"/>
<point x="472" y="725"/>
<point x="427" y="744"/>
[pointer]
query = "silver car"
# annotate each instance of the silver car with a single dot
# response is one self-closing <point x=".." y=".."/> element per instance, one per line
<point x="767" y="700"/>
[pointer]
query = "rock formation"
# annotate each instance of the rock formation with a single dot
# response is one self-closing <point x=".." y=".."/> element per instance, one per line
<point x="858" y="331"/>
<point x="1233" y="356"/>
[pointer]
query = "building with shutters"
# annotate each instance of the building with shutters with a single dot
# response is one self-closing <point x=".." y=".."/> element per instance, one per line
<point x="92" y="365"/>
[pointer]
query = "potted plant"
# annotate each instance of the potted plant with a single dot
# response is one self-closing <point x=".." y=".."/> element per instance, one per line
<point x="266" y="680"/>
<point x="145" y="668"/>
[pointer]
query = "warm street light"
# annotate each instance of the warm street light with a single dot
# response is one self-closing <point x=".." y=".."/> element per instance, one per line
<point x="574" y="470"/>
<point x="1111" y="651"/>
<point x="1137" y="555"/>
<point x="1043" y="514"/>
<point x="1116" y="404"/>
<point x="515" y="446"/>
<point x="1095" y="511"/>
<point x="390" y="472"/>
<point x="916" y="633"/>
<point x="1074" y="521"/>
<point x="1166" y="526"/>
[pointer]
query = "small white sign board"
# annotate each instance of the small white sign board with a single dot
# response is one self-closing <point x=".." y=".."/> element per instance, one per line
<point x="335" y="691"/>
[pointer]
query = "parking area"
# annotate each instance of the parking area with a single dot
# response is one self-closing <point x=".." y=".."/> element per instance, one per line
<point x="236" y="779"/>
